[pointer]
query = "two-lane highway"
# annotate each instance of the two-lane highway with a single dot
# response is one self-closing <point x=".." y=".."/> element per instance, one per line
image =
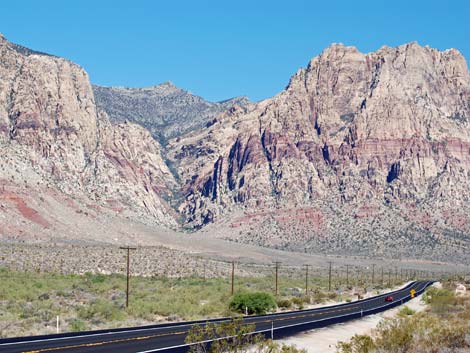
<point x="171" y="337"/>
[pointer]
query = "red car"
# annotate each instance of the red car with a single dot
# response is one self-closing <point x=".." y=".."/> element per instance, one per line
<point x="389" y="298"/>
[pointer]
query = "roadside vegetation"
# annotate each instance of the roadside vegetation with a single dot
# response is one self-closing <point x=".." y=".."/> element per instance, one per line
<point x="444" y="327"/>
<point x="233" y="336"/>
<point x="31" y="301"/>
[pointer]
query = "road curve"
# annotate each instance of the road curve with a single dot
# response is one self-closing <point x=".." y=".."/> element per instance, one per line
<point x="170" y="337"/>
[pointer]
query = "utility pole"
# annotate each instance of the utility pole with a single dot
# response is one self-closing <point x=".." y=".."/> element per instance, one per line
<point x="306" y="279"/>
<point x="396" y="274"/>
<point x="329" y="277"/>
<point x="233" y="276"/>
<point x="204" y="270"/>
<point x="373" y="275"/>
<point x="128" y="270"/>
<point x="389" y="278"/>
<point x="382" y="282"/>
<point x="347" y="276"/>
<point x="277" y="263"/>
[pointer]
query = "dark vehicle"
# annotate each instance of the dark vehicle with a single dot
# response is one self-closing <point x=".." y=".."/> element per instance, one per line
<point x="389" y="298"/>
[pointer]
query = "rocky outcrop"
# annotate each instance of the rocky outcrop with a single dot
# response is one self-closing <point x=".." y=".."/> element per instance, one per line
<point x="50" y="126"/>
<point x="384" y="131"/>
<point x="360" y="154"/>
<point x="165" y="110"/>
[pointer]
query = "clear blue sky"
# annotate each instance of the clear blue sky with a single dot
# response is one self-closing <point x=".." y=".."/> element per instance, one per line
<point x="220" y="49"/>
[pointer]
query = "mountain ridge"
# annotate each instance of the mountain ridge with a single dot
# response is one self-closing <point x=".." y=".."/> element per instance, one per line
<point x="365" y="154"/>
<point x="166" y="110"/>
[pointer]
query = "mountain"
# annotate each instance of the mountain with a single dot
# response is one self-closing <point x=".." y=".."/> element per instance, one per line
<point x="165" y="110"/>
<point x="60" y="154"/>
<point x="361" y="154"/>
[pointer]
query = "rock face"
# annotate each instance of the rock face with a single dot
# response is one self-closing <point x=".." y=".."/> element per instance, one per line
<point x="165" y="110"/>
<point x="49" y="125"/>
<point x="363" y="153"/>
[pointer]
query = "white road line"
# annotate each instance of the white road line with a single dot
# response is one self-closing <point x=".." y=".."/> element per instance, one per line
<point x="186" y="325"/>
<point x="269" y="329"/>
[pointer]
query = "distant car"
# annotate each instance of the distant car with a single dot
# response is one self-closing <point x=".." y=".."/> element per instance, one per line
<point x="389" y="298"/>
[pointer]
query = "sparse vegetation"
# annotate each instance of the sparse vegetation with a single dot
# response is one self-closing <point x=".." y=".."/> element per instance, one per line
<point x="31" y="301"/>
<point x="235" y="338"/>
<point x="443" y="327"/>
<point x="406" y="311"/>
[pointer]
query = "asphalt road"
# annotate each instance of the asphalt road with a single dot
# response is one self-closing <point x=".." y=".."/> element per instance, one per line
<point x="170" y="337"/>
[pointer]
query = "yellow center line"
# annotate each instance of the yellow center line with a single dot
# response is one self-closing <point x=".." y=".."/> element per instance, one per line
<point x="123" y="340"/>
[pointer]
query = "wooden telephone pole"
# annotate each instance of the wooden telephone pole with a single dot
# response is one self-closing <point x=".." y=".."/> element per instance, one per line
<point x="277" y="263"/>
<point x="373" y="275"/>
<point x="306" y="279"/>
<point x="128" y="271"/>
<point x="233" y="276"/>
<point x="329" y="277"/>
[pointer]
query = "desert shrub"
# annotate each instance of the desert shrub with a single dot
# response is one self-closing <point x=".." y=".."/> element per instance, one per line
<point x="439" y="299"/>
<point x="406" y="311"/>
<point x="77" y="325"/>
<point x="395" y="335"/>
<point x="319" y="297"/>
<point x="357" y="344"/>
<point x="101" y="309"/>
<point x="284" y="303"/>
<point x="253" y="302"/>
<point x="301" y="300"/>
<point x="238" y="339"/>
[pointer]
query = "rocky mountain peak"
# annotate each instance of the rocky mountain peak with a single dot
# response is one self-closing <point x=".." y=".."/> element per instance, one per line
<point x="166" y="110"/>
<point x="363" y="154"/>
<point x="354" y="142"/>
<point x="49" y="125"/>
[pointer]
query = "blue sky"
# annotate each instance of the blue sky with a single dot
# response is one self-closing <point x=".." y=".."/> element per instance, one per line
<point x="220" y="49"/>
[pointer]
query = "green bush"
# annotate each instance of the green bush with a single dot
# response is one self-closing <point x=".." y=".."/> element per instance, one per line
<point x="406" y="311"/>
<point x="101" y="309"/>
<point x="253" y="302"/>
<point x="439" y="299"/>
<point x="77" y="325"/>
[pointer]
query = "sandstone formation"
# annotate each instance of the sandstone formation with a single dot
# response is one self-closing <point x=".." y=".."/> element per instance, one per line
<point x="51" y="134"/>
<point x="363" y="153"/>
